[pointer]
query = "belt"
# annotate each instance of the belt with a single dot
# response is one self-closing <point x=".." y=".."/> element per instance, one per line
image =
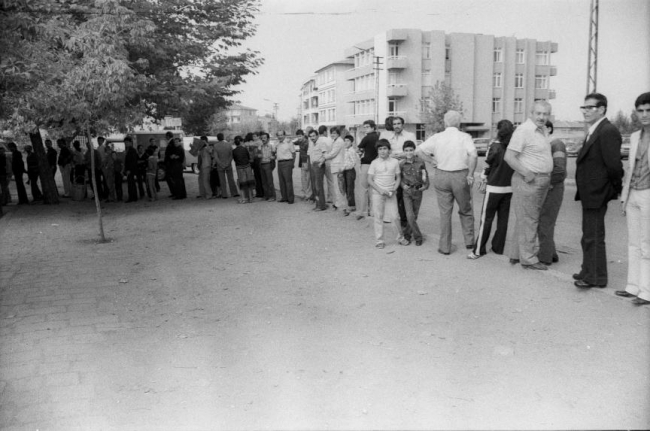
<point x="542" y="174"/>
<point x="287" y="160"/>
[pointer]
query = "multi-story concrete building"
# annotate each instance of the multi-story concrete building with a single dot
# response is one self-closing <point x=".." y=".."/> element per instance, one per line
<point x="393" y="73"/>
<point x="239" y="114"/>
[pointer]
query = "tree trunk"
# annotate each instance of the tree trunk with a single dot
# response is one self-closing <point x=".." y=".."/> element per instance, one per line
<point x="93" y="168"/>
<point x="50" y="193"/>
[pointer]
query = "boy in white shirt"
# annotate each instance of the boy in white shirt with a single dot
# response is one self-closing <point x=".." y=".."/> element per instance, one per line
<point x="384" y="179"/>
<point x="348" y="175"/>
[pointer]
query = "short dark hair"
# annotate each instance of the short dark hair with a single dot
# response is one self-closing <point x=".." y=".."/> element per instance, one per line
<point x="264" y="134"/>
<point x="169" y="135"/>
<point x="643" y="99"/>
<point x="130" y="139"/>
<point x="100" y="138"/>
<point x="382" y="143"/>
<point x="549" y="125"/>
<point x="299" y="132"/>
<point x="204" y="138"/>
<point x="238" y="140"/>
<point x="322" y="130"/>
<point x="398" y="118"/>
<point x="371" y="123"/>
<point x="600" y="99"/>
<point x="349" y="137"/>
<point x="408" y="144"/>
<point x="220" y="136"/>
<point x="505" y="129"/>
<point x="312" y="131"/>
<point x="335" y="130"/>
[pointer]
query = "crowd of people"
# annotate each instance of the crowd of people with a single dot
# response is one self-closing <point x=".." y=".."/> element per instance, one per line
<point x="385" y="174"/>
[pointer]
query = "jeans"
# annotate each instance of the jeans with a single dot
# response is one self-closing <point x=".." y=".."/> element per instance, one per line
<point x="450" y="186"/>
<point x="412" y="202"/>
<point x="638" y="228"/>
<point x="527" y="200"/>
<point x="384" y="206"/>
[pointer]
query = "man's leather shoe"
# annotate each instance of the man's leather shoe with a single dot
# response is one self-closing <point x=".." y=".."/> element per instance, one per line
<point x="537" y="266"/>
<point x="624" y="294"/>
<point x="545" y="263"/>
<point x="555" y="259"/>
<point x="514" y="261"/>
<point x="584" y="285"/>
<point x="446" y="253"/>
<point x="639" y="301"/>
<point x="577" y="276"/>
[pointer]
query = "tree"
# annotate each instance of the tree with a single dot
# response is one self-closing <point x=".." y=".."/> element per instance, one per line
<point x="635" y="124"/>
<point x="80" y="65"/>
<point x="433" y="106"/>
<point x="622" y="122"/>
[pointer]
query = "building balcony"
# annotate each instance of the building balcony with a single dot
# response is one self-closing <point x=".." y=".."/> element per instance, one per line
<point x="396" y="62"/>
<point x="396" y="35"/>
<point x="397" y="90"/>
<point x="360" y="95"/>
<point x="358" y="71"/>
<point x="553" y="71"/>
<point x="542" y="69"/>
<point x="551" y="94"/>
<point x="545" y="94"/>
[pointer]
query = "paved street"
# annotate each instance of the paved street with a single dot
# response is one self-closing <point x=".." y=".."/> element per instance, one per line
<point x="201" y="315"/>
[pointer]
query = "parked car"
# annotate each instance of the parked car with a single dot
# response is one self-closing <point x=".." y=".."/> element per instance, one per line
<point x="482" y="145"/>
<point x="573" y="147"/>
<point x="625" y="147"/>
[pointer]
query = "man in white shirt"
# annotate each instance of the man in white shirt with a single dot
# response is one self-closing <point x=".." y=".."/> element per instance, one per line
<point x="529" y="154"/>
<point x="284" y="151"/>
<point x="454" y="158"/>
<point x="384" y="179"/>
<point x="334" y="161"/>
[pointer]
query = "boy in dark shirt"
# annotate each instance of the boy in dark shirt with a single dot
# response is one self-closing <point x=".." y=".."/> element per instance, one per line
<point x="415" y="179"/>
<point x="245" y="177"/>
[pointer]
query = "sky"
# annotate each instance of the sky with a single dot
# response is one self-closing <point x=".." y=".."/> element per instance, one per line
<point x="298" y="37"/>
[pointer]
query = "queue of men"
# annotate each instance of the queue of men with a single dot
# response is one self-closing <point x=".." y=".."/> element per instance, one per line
<point x="391" y="178"/>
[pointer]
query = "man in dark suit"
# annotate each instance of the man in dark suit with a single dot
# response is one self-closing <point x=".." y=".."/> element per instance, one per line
<point x="131" y="169"/>
<point x="599" y="179"/>
<point x="18" y="168"/>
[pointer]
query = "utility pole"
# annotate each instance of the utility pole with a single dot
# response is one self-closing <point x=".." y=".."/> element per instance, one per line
<point x="592" y="61"/>
<point x="377" y="67"/>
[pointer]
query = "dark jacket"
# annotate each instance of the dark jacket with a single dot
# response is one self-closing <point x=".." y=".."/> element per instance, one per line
<point x="368" y="146"/>
<point x="131" y="160"/>
<point x="51" y="157"/>
<point x="599" y="171"/>
<point x="17" y="165"/>
<point x="65" y="156"/>
<point x="32" y="165"/>
<point x="498" y="172"/>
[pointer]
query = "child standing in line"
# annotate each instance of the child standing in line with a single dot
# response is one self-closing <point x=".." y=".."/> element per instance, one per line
<point x="415" y="179"/>
<point x="152" y="171"/>
<point x="245" y="176"/>
<point x="348" y="174"/>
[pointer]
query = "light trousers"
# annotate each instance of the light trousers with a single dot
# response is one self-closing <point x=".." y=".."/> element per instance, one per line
<point x="450" y="186"/>
<point x="638" y="234"/>
<point x="364" y="192"/>
<point x="65" y="176"/>
<point x="385" y="207"/>
<point x="527" y="200"/>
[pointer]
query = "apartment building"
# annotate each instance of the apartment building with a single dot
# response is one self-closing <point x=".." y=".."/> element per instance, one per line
<point x="392" y="73"/>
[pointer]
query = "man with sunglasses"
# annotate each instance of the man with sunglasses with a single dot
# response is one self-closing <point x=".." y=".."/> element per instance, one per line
<point x="599" y="179"/>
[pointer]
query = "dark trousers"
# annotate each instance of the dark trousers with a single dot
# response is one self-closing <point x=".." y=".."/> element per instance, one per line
<point x="494" y="204"/>
<point x="4" y="186"/>
<point x="547" y="219"/>
<point x="215" y="183"/>
<point x="132" y="187"/>
<point x="318" y="175"/>
<point x="257" y="173"/>
<point x="178" y="181"/>
<point x="403" y="220"/>
<point x="594" y="254"/>
<point x="346" y="186"/>
<point x="267" y="179"/>
<point x="412" y="202"/>
<point x="20" y="189"/>
<point x="285" y="178"/>
<point x="33" y="183"/>
<point x="226" y="177"/>
<point x="119" y="192"/>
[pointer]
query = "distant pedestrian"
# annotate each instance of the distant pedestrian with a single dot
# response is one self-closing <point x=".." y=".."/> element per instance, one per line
<point x="368" y="151"/>
<point x="108" y="168"/>
<point x="285" y="153"/>
<point x="553" y="202"/>
<point x="5" y="196"/>
<point x="51" y="155"/>
<point x="496" y="182"/>
<point x="245" y="176"/>
<point x="33" y="173"/>
<point x="384" y="178"/>
<point x="317" y="149"/>
<point x="175" y="161"/>
<point x="303" y="163"/>
<point x="18" y="170"/>
<point x="335" y="159"/>
<point x="267" y="165"/>
<point x="348" y="175"/>
<point x="141" y="173"/>
<point x="65" y="166"/>
<point x="222" y="160"/>
<point x="131" y="169"/>
<point x="152" y="171"/>
<point x="204" y="156"/>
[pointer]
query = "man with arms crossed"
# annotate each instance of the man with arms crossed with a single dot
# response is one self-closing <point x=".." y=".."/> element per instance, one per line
<point x="529" y="154"/>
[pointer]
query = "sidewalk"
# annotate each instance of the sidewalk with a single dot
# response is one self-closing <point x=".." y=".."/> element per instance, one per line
<point x="213" y="315"/>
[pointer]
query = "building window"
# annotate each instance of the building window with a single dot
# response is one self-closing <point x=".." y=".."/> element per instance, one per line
<point x="426" y="77"/>
<point x="519" y="80"/>
<point x="497" y="55"/>
<point x="496" y="80"/>
<point x="517" y="123"/>
<point x="393" y="78"/>
<point x="447" y="53"/>
<point x="392" y="106"/>
<point x="541" y="81"/>
<point x="420" y="132"/>
<point x="542" y="58"/>
<point x="426" y="51"/>
<point x="393" y="50"/>
<point x="519" y="56"/>
<point x="519" y="106"/>
<point x="496" y="105"/>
